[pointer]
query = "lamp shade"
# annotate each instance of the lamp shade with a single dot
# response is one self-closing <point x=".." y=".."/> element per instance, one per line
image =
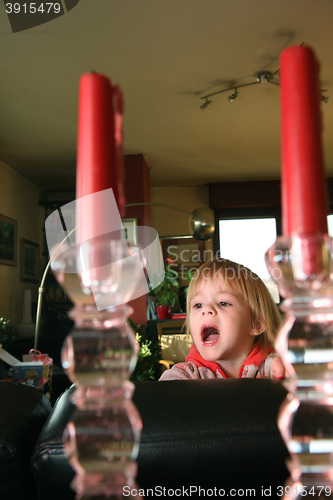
<point x="202" y="224"/>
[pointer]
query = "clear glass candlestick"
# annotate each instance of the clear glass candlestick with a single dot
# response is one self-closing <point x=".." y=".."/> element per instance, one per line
<point x="99" y="355"/>
<point x="302" y="269"/>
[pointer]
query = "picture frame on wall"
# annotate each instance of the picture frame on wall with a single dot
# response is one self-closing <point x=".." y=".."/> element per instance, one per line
<point x="29" y="261"/>
<point x="8" y="241"/>
<point x="185" y="253"/>
<point x="131" y="228"/>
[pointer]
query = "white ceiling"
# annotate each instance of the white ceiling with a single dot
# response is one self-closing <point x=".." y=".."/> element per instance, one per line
<point x="165" y="55"/>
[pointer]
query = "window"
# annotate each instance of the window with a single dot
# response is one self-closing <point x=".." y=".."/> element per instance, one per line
<point x="330" y="224"/>
<point x="246" y="241"/>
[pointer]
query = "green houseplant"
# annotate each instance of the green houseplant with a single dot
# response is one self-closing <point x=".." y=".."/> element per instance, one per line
<point x="6" y="331"/>
<point x="7" y="335"/>
<point x="148" y="356"/>
<point x="166" y="294"/>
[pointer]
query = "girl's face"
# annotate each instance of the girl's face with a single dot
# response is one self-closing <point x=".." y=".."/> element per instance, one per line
<point x="221" y="324"/>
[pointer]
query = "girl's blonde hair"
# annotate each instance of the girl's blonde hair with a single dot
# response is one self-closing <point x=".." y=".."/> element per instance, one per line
<point x="244" y="281"/>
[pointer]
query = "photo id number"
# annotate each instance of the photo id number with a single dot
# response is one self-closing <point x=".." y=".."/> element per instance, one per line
<point x="304" y="491"/>
<point x="33" y="8"/>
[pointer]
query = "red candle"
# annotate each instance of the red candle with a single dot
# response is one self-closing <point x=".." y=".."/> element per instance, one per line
<point x="304" y="204"/>
<point x="99" y="154"/>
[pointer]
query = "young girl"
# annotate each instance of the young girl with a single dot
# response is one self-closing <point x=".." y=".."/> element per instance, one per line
<point x="233" y="320"/>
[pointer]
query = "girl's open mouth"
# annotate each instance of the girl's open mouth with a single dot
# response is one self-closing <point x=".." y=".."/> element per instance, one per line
<point x="210" y="335"/>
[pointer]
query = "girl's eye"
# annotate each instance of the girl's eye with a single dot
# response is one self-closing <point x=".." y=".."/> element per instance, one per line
<point x="224" y="304"/>
<point x="197" y="305"/>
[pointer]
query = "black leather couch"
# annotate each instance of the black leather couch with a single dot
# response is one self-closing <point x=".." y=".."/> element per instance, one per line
<point x="23" y="413"/>
<point x="196" y="434"/>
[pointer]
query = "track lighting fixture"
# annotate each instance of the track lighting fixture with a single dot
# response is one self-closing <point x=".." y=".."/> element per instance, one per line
<point x="233" y="96"/>
<point x="261" y="77"/>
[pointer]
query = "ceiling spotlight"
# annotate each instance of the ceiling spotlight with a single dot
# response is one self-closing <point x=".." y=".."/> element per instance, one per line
<point x="206" y="104"/>
<point x="233" y="96"/>
<point x="264" y="76"/>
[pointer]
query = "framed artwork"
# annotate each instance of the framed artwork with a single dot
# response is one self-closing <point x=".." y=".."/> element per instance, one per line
<point x="8" y="241"/>
<point x="131" y="226"/>
<point x="29" y="261"/>
<point x="185" y="252"/>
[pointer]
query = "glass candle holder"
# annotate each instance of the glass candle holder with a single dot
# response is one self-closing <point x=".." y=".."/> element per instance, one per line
<point x="99" y="355"/>
<point x="302" y="269"/>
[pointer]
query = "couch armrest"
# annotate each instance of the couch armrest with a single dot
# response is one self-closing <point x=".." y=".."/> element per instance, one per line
<point x="50" y="466"/>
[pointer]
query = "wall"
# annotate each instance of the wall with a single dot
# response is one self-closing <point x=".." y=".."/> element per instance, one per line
<point x="168" y="222"/>
<point x="19" y="201"/>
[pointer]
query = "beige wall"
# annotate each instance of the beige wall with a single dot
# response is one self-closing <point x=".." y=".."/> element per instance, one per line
<point x="19" y="201"/>
<point x="169" y="222"/>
